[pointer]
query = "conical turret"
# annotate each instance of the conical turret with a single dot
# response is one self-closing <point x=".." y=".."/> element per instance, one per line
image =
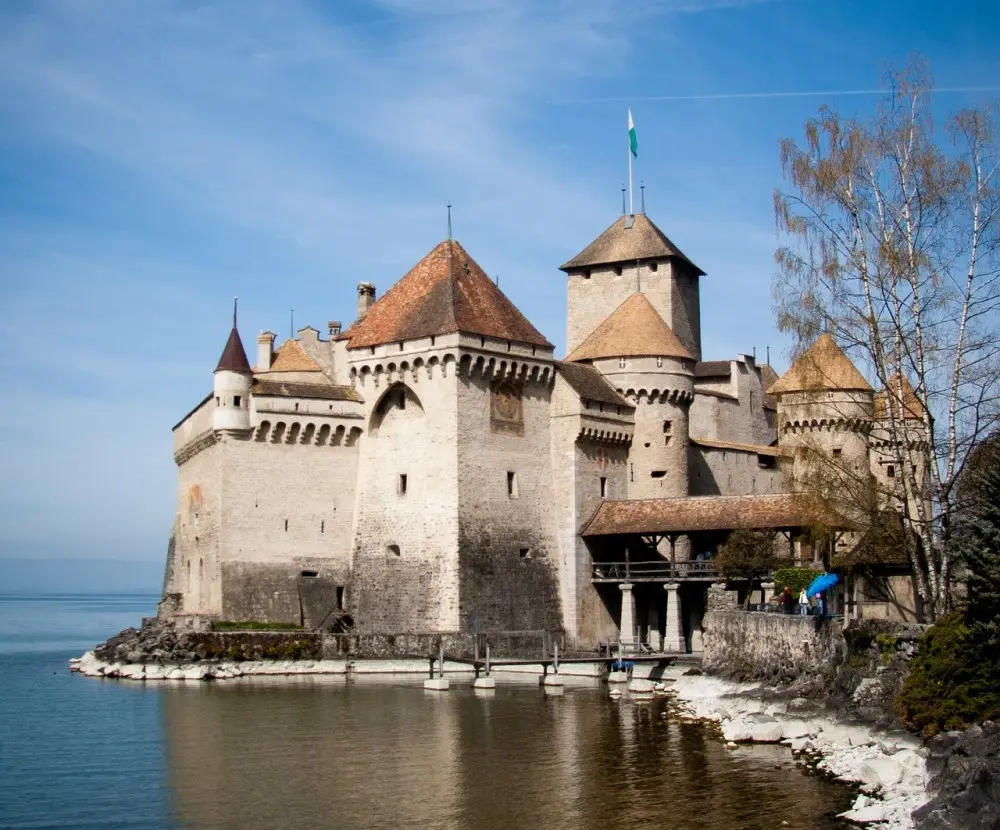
<point x="231" y="385"/>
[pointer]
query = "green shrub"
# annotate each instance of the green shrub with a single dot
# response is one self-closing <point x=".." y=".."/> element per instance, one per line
<point x="254" y="625"/>
<point x="953" y="680"/>
<point x="794" y="578"/>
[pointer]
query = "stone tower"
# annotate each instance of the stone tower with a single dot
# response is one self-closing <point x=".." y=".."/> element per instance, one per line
<point x="825" y="409"/>
<point x="231" y="386"/>
<point x="633" y="255"/>
<point x="453" y="527"/>
<point x="644" y="360"/>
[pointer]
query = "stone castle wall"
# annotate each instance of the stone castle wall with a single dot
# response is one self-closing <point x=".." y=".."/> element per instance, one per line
<point x="196" y="536"/>
<point x="729" y="472"/>
<point x="508" y="553"/>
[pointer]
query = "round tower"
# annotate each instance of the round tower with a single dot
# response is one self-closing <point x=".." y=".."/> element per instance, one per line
<point x="231" y="385"/>
<point x="644" y="360"/>
<point x="825" y="409"/>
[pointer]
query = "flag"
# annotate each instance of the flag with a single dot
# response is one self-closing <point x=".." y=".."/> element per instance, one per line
<point x="632" y="143"/>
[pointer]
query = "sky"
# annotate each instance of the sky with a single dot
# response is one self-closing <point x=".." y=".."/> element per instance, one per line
<point x="159" y="158"/>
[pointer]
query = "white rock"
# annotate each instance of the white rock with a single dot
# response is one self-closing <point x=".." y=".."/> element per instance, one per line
<point x="640" y="686"/>
<point x="882" y="772"/>
<point x="155" y="672"/>
<point x="133" y="671"/>
<point x="798" y="728"/>
<point x="190" y="672"/>
<point x="866" y="811"/>
<point x="174" y="673"/>
<point x="759" y="730"/>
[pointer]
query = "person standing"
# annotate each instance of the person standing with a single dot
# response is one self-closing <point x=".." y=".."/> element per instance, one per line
<point x="788" y="601"/>
<point x="819" y="605"/>
<point x="803" y="602"/>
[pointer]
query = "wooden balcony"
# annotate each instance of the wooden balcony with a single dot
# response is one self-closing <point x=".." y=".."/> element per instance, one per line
<point x="695" y="570"/>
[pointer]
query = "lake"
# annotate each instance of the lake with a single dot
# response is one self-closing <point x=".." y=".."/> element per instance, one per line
<point x="327" y="752"/>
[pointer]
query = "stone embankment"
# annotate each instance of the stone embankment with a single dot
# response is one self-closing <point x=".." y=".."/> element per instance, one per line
<point x="889" y="767"/>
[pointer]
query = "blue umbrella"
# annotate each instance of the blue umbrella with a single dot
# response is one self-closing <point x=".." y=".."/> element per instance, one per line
<point x="821" y="583"/>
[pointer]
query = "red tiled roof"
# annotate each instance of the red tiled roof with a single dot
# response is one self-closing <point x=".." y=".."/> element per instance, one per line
<point x="634" y="329"/>
<point x="911" y="407"/>
<point x="786" y="510"/>
<point x="291" y="357"/>
<point x="445" y="292"/>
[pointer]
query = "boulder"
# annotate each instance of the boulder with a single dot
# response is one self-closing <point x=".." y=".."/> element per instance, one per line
<point x="760" y="730"/>
<point x="866" y="811"/>
<point x="884" y="773"/>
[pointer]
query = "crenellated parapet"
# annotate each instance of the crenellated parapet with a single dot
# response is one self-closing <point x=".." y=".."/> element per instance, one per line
<point x="376" y="373"/>
<point x="803" y="426"/>
<point x="306" y="433"/>
<point x="598" y="435"/>
<point x="674" y="396"/>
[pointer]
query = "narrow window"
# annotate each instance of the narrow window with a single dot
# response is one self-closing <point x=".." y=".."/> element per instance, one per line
<point x="402" y="399"/>
<point x="621" y="362"/>
<point x="340" y="597"/>
<point x="236" y="400"/>
<point x="511" y="485"/>
<point x="659" y="363"/>
<point x="482" y="341"/>
<point x="913" y="469"/>
<point x="401" y="485"/>
<point x="432" y="339"/>
<point x="751" y="400"/>
<point x="604" y="487"/>
<point x="392" y="550"/>
<point x="217" y="400"/>
<point x="296" y="406"/>
<point x="600" y="406"/>
<point x="401" y="345"/>
<point x="508" y="345"/>
<point x="322" y="527"/>
<point x="286" y="525"/>
<point x="631" y="472"/>
<point x="525" y="553"/>
<point x="668" y="426"/>
<point x="890" y="471"/>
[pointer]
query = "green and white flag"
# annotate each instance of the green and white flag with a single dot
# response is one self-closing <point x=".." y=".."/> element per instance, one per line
<point x="632" y="143"/>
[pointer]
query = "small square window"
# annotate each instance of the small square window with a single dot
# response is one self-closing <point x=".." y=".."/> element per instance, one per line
<point x="236" y="400"/>
<point x="401" y="485"/>
<point x="604" y="487"/>
<point x="525" y="553"/>
<point x="511" y="485"/>
<point x="890" y="471"/>
<point x="837" y="452"/>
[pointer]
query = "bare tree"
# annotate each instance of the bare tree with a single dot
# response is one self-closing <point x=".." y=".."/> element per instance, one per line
<point x="891" y="242"/>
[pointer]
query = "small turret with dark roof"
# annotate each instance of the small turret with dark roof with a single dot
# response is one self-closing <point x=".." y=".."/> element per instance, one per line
<point x="231" y="385"/>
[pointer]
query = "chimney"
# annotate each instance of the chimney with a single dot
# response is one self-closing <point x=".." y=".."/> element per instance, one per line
<point x="366" y="296"/>
<point x="265" y="351"/>
<point x="334" y="328"/>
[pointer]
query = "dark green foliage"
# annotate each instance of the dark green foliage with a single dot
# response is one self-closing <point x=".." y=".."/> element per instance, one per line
<point x="794" y="578"/>
<point x="955" y="677"/>
<point x="953" y="680"/>
<point x="254" y="625"/>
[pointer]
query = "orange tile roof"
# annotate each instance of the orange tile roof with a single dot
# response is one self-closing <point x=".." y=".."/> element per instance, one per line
<point x="912" y="407"/>
<point x="823" y="366"/>
<point x="445" y="292"/>
<point x="633" y="329"/>
<point x="699" y="513"/>
<point x="625" y="242"/>
<point x="291" y="357"/>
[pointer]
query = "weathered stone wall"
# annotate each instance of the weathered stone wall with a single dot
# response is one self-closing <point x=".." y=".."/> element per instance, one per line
<point x="773" y="647"/>
<point x="195" y="572"/>
<point x="508" y="554"/>
<point x="730" y="472"/>
<point x="405" y="543"/>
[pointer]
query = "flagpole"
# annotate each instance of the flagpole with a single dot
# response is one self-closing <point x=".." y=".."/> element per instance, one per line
<point x="630" y="211"/>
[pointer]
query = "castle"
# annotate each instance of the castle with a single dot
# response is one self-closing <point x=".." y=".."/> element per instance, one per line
<point x="435" y="468"/>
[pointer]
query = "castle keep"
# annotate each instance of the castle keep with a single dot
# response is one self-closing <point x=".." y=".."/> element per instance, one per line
<point x="435" y="468"/>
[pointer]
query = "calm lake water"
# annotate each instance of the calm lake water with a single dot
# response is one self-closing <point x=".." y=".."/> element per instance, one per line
<point x="326" y="753"/>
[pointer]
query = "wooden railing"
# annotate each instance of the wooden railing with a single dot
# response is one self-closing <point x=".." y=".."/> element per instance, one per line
<point x="662" y="571"/>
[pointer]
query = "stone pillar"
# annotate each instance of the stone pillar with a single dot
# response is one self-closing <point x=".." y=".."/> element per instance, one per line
<point x="673" y="639"/>
<point x="627" y="627"/>
<point x="766" y="591"/>
<point x="654" y="640"/>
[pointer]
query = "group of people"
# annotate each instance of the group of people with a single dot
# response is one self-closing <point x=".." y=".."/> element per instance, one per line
<point x="788" y="604"/>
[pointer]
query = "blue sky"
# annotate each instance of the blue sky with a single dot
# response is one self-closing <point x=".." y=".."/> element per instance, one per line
<point x="159" y="158"/>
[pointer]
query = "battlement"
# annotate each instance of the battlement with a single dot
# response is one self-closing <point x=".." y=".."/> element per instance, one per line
<point x="377" y="372"/>
<point x="306" y="433"/>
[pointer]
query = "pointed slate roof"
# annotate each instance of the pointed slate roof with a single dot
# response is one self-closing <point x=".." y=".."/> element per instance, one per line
<point x="913" y="408"/>
<point x="822" y="366"/>
<point x="634" y="329"/>
<point x="445" y="292"/>
<point x="291" y="357"/>
<point x="626" y="242"/>
<point x="234" y="356"/>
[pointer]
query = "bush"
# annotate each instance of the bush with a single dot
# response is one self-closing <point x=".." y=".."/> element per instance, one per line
<point x="794" y="578"/>
<point x="953" y="681"/>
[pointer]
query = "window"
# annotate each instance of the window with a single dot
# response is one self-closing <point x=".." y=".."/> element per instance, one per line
<point x="322" y="527"/>
<point x="659" y="363"/>
<point x="432" y="339"/>
<point x="658" y="474"/>
<point x="402" y="399"/>
<point x="286" y="525"/>
<point x="621" y="362"/>
<point x="392" y="550"/>
<point x="766" y="462"/>
<point x="652" y="267"/>
<point x="296" y="406"/>
<point x="217" y="402"/>
<point x="618" y="270"/>
<point x="751" y="400"/>
<point x="340" y="597"/>
<point x="401" y="485"/>
<point x="401" y="345"/>
<point x="890" y="471"/>
<point x="236" y="400"/>
<point x="604" y="487"/>
<point x="309" y="574"/>
<point x="525" y="553"/>
<point x="511" y="485"/>
<point x="668" y="426"/>
<point x="837" y="452"/>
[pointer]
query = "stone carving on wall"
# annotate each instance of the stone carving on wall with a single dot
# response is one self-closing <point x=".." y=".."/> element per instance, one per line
<point x="506" y="409"/>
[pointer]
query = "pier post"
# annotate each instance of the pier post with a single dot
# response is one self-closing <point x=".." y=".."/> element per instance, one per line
<point x="439" y="683"/>
<point x="673" y="639"/>
<point x="486" y="682"/>
<point x="627" y="626"/>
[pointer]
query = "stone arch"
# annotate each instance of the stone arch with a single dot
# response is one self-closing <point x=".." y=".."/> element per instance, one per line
<point x="278" y="433"/>
<point x="262" y="430"/>
<point x="322" y="435"/>
<point x="308" y="433"/>
<point x="398" y="396"/>
<point x="353" y="436"/>
<point x="293" y="433"/>
<point x="337" y="436"/>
